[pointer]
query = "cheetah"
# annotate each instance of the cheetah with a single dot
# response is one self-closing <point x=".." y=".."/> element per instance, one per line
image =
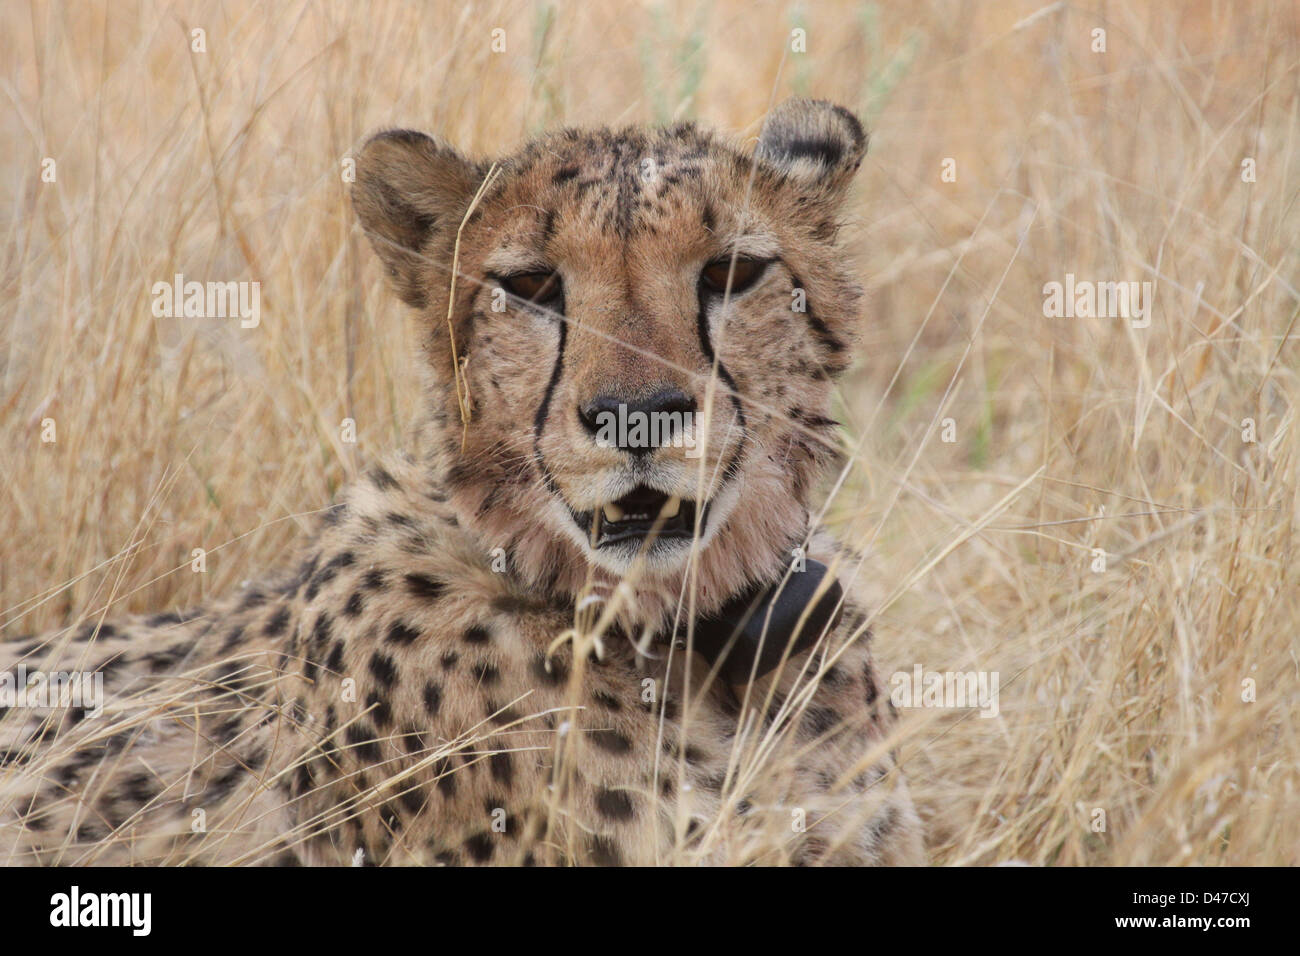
<point x="518" y="642"/>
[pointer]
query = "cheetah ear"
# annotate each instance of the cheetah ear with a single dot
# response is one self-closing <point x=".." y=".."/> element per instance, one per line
<point x="410" y="187"/>
<point x="817" y="145"/>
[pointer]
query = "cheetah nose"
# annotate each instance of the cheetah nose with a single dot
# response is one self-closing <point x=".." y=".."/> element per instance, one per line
<point x="612" y="412"/>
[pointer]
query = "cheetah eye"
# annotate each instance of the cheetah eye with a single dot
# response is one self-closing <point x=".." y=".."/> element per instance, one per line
<point x="744" y="274"/>
<point x="538" y="288"/>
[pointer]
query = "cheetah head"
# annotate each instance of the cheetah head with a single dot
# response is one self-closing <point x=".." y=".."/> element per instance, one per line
<point x="634" y="367"/>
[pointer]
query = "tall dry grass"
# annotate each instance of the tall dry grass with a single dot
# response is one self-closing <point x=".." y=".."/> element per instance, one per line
<point x="1121" y="690"/>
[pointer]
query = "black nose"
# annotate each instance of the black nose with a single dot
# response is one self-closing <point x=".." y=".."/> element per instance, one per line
<point x="616" y="420"/>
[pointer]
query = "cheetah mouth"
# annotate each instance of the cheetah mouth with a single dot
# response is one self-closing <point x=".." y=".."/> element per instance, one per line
<point x="640" y="515"/>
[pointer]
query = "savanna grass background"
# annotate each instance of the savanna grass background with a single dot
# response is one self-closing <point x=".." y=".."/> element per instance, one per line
<point x="1122" y="690"/>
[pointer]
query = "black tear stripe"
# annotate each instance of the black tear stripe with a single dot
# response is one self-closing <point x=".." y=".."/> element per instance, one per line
<point x="819" y="328"/>
<point x="706" y="345"/>
<point x="539" y="422"/>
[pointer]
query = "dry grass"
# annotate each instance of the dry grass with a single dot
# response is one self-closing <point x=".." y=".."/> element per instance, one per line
<point x="1121" y="690"/>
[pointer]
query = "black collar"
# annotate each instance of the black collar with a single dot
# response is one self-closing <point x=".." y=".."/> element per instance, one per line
<point x="753" y="631"/>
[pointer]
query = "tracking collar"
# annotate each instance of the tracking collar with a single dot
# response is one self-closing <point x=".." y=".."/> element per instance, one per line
<point x="753" y="631"/>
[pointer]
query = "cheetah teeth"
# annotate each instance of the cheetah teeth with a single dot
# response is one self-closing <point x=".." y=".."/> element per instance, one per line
<point x="671" y="508"/>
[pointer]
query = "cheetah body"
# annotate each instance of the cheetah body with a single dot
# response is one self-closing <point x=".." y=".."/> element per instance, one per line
<point x="444" y="676"/>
